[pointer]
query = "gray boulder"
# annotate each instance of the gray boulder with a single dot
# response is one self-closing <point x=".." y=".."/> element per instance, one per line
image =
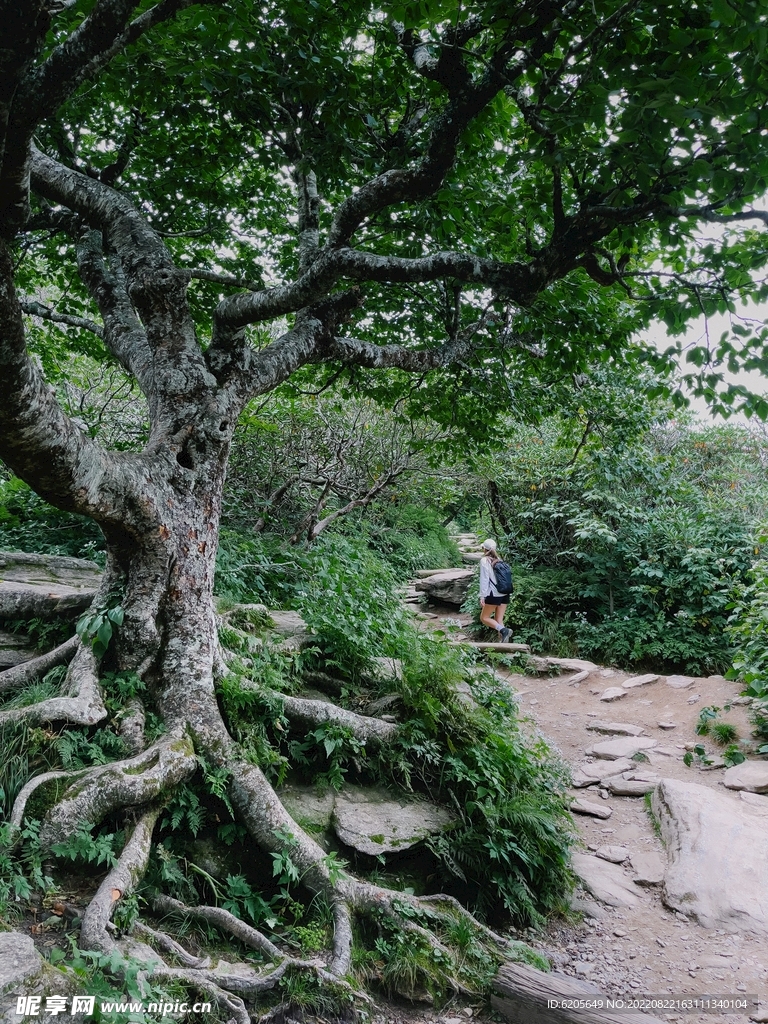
<point x="373" y="821"/>
<point x="717" y="870"/>
<point x="448" y="587"/>
<point x="751" y="776"/>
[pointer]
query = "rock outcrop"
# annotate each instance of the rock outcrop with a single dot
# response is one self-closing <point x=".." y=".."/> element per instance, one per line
<point x="448" y="587"/>
<point x="45" y="586"/>
<point x="716" y="870"/>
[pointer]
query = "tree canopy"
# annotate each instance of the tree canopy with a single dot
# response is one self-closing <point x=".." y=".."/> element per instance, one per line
<point x="448" y="207"/>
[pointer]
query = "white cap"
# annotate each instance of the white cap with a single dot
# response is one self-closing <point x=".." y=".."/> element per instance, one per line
<point x="489" y="545"/>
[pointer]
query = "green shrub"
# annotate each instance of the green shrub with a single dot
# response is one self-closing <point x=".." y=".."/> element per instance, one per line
<point x="27" y="523"/>
<point x="748" y="631"/>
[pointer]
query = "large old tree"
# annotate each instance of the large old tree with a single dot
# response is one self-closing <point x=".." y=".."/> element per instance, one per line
<point x="221" y="194"/>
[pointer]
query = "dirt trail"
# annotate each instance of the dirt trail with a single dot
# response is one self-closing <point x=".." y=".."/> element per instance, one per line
<point x="646" y="949"/>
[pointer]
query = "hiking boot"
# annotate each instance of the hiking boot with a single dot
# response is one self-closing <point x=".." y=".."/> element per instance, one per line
<point x="506" y="635"/>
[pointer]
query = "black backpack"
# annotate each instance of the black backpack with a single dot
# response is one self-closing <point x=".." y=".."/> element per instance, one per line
<point x="503" y="574"/>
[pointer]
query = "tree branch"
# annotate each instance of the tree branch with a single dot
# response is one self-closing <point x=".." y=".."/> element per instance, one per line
<point x="123" y="334"/>
<point x="34" y="308"/>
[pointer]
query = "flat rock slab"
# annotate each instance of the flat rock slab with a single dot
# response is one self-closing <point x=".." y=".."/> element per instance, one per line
<point x="45" y="586"/>
<point x="373" y="822"/>
<point x="749" y="775"/>
<point x="616" y="728"/>
<point x="613" y="693"/>
<point x="631" y="684"/>
<point x="680" y="682"/>
<point x="614" y="854"/>
<point x="593" y="810"/>
<point x="629" y="787"/>
<point x="573" y="664"/>
<point x="607" y="882"/>
<point x="648" y="867"/>
<point x="449" y="587"/>
<point x="307" y="807"/>
<point x="628" y="746"/>
<point x="717" y="870"/>
<point x="589" y="774"/>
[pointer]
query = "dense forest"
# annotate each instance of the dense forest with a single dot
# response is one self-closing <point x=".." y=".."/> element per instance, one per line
<point x="290" y="295"/>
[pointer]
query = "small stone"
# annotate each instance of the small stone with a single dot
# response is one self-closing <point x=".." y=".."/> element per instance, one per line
<point x="667" y="725"/>
<point x="606" y="673"/>
<point x="604" y="794"/>
<point x="614" y="854"/>
<point x="630" y="684"/>
<point x="679" y="682"/>
<point x="594" y="810"/>
<point x="584" y="969"/>
<point x="681" y="917"/>
<point x="742" y="701"/>
<point x="692" y="700"/>
<point x="468" y="1011"/>
<point x="613" y="693"/>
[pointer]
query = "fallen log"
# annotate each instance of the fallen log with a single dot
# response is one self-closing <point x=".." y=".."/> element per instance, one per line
<point x="527" y="996"/>
<point x="505" y="648"/>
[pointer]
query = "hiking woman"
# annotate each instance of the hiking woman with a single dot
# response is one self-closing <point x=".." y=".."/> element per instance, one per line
<point x="493" y="601"/>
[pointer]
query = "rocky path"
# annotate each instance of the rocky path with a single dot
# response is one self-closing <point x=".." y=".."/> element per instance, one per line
<point x="674" y="897"/>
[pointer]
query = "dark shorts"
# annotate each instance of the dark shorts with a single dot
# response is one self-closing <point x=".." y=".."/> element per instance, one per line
<point x="492" y="599"/>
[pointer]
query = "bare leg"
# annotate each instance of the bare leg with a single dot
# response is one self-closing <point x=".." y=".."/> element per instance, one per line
<point x="488" y="616"/>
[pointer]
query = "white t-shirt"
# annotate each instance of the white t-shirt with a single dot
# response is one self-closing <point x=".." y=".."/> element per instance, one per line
<point x="488" y="586"/>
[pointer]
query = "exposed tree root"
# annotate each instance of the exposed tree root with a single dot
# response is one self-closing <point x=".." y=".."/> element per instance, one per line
<point x="129" y="783"/>
<point x="233" y="926"/>
<point x="223" y="920"/>
<point x="28" y="671"/>
<point x="82" y="706"/>
<point x="20" y="803"/>
<point x="120" y="881"/>
<point x="199" y="983"/>
<point x="323" y="681"/>
<point x="317" y="712"/>
<point x="170" y="946"/>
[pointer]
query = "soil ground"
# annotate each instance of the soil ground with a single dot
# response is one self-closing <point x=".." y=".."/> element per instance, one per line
<point x="650" y="949"/>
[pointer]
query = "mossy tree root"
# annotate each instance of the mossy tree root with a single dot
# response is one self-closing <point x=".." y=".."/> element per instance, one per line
<point x="134" y="782"/>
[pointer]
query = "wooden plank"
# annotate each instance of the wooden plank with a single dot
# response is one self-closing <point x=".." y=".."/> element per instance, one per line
<point x="527" y="996"/>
